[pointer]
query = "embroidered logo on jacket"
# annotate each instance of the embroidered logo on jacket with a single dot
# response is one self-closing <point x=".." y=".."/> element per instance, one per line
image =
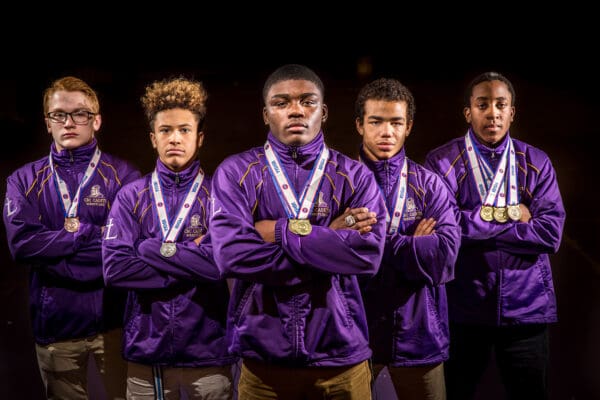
<point x="411" y="212"/>
<point x="321" y="208"/>
<point x="95" y="198"/>
<point x="195" y="228"/>
<point x="10" y="210"/>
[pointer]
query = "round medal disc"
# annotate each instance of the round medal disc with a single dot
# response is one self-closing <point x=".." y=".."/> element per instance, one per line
<point x="300" y="227"/>
<point x="487" y="213"/>
<point x="167" y="249"/>
<point x="72" y="224"/>
<point x="514" y="212"/>
<point x="500" y="214"/>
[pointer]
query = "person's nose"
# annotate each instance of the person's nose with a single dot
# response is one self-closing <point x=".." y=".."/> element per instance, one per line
<point x="387" y="130"/>
<point x="175" y="137"/>
<point x="492" y="113"/>
<point x="69" y="121"/>
<point x="296" y="109"/>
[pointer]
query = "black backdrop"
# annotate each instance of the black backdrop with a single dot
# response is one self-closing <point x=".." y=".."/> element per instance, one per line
<point x="557" y="110"/>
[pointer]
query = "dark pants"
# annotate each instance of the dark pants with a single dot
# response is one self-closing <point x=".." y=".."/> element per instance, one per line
<point x="521" y="354"/>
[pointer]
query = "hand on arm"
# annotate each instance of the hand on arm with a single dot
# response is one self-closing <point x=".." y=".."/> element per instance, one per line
<point x="266" y="229"/>
<point x="199" y="239"/>
<point x="425" y="227"/>
<point x="364" y="220"/>
<point x="525" y="213"/>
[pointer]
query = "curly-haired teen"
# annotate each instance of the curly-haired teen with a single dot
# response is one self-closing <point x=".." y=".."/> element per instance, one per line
<point x="156" y="247"/>
<point x="54" y="213"/>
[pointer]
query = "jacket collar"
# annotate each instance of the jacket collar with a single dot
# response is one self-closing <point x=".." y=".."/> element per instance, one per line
<point x="301" y="155"/>
<point x="487" y="151"/>
<point x="391" y="165"/>
<point x="80" y="155"/>
<point x="170" y="178"/>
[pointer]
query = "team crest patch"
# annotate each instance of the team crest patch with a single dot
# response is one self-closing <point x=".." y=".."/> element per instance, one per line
<point x="95" y="198"/>
<point x="195" y="228"/>
<point x="321" y="208"/>
<point x="411" y="212"/>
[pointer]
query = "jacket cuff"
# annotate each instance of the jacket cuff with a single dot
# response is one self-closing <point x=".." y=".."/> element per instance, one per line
<point x="280" y="227"/>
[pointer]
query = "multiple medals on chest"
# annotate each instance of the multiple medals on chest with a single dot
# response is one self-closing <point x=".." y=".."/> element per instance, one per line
<point x="492" y="186"/>
<point x="71" y="206"/>
<point x="170" y="232"/>
<point x="297" y="210"/>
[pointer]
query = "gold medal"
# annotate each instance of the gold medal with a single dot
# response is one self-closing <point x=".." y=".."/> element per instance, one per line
<point x="500" y="214"/>
<point x="514" y="212"/>
<point x="487" y="213"/>
<point x="300" y="227"/>
<point x="168" y="249"/>
<point x="72" y="224"/>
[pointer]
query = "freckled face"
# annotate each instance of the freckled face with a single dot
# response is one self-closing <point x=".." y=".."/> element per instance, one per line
<point x="69" y="135"/>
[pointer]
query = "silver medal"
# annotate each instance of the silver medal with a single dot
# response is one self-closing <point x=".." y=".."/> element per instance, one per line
<point x="168" y="249"/>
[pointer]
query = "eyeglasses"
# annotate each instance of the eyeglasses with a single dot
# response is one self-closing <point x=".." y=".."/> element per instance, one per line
<point x="80" y="117"/>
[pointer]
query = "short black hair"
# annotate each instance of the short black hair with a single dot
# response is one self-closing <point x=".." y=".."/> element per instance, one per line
<point x="292" y="72"/>
<point x="488" y="77"/>
<point x="385" y="89"/>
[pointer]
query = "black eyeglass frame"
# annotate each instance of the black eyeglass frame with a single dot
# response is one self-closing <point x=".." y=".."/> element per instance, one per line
<point x="76" y="120"/>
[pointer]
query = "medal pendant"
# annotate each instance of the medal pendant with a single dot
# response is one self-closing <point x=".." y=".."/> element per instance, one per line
<point x="300" y="227"/>
<point x="168" y="249"/>
<point x="500" y="214"/>
<point x="514" y="212"/>
<point x="72" y="224"/>
<point x="487" y="213"/>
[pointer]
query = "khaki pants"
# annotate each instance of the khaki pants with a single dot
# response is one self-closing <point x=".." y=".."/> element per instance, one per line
<point x="145" y="382"/>
<point x="64" y="366"/>
<point x="417" y="383"/>
<point x="260" y="381"/>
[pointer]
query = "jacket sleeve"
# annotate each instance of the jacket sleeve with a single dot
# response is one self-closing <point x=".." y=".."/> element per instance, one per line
<point x="239" y="250"/>
<point x="67" y="255"/>
<point x="473" y="229"/>
<point x="190" y="262"/>
<point x="122" y="264"/>
<point x="428" y="259"/>
<point x="344" y="251"/>
<point x="543" y="233"/>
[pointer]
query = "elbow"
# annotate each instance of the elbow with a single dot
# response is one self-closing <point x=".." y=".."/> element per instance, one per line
<point x="223" y="266"/>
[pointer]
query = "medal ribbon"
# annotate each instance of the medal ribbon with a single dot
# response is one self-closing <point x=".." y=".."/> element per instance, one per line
<point x="387" y="214"/>
<point x="294" y="208"/>
<point x="513" y="194"/>
<point x="488" y="194"/>
<point x="170" y="233"/>
<point x="71" y="207"/>
<point x="400" y="200"/>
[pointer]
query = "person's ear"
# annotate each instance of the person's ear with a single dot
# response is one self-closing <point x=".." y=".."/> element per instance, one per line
<point x="265" y="116"/>
<point x="359" y="127"/>
<point x="409" y="126"/>
<point x="325" y="113"/>
<point x="153" y="140"/>
<point x="97" y="122"/>
<point x="467" y="114"/>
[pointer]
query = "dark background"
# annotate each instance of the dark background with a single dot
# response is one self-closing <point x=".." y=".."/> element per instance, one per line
<point x="553" y="70"/>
